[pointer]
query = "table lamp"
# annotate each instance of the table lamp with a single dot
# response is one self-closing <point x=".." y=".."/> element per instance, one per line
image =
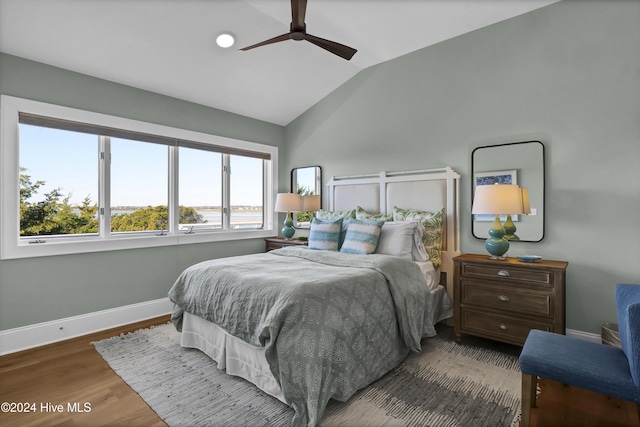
<point x="288" y="202"/>
<point x="497" y="199"/>
<point x="311" y="203"/>
<point x="509" y="226"/>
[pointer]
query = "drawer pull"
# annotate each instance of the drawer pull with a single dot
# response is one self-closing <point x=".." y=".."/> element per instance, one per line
<point x="504" y="273"/>
<point x="502" y="326"/>
<point x="503" y="298"/>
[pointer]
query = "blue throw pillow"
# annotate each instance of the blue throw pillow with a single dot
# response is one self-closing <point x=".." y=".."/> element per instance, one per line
<point x="362" y="237"/>
<point x="325" y="234"/>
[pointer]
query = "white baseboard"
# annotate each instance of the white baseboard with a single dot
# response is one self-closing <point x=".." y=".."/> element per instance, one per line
<point x="25" y="337"/>
<point x="587" y="336"/>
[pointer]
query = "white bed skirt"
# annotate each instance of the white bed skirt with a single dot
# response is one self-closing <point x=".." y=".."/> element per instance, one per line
<point x="442" y="305"/>
<point x="236" y="356"/>
<point x="248" y="361"/>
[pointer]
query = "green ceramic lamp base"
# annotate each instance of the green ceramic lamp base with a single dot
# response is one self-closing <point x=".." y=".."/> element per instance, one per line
<point x="510" y="229"/>
<point x="496" y="244"/>
<point x="288" y="231"/>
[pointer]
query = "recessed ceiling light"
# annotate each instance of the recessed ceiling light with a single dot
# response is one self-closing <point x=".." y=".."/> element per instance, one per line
<point x="225" y="40"/>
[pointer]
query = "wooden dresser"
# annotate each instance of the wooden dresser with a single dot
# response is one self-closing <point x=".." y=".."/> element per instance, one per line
<point x="504" y="300"/>
<point x="278" y="242"/>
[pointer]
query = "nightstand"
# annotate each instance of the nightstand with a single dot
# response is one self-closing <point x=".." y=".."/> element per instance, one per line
<point x="504" y="299"/>
<point x="278" y="242"/>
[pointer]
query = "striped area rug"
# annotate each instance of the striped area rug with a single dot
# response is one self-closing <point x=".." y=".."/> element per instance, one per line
<point x="445" y="385"/>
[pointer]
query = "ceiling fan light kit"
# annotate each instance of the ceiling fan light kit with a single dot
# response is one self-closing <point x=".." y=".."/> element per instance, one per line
<point x="298" y="32"/>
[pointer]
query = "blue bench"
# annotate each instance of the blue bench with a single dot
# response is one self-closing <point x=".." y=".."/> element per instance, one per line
<point x="597" y="367"/>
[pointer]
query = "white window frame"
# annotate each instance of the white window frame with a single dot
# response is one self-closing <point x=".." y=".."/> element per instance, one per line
<point x="13" y="247"/>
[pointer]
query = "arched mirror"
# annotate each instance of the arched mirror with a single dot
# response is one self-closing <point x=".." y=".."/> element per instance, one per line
<point x="307" y="181"/>
<point x="520" y="163"/>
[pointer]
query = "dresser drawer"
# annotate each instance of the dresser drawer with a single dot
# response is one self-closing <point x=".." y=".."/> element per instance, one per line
<point x="495" y="326"/>
<point x="507" y="272"/>
<point x="506" y="298"/>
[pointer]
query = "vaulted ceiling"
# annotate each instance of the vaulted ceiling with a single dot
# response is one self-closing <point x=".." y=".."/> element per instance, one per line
<point x="168" y="46"/>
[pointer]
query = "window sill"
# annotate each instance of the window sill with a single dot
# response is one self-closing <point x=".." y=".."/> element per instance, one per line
<point x="77" y="246"/>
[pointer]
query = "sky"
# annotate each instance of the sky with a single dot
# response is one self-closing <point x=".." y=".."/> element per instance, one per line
<point x="69" y="160"/>
<point x="306" y="178"/>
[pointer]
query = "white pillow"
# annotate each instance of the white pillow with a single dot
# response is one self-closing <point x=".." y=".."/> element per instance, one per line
<point x="403" y="239"/>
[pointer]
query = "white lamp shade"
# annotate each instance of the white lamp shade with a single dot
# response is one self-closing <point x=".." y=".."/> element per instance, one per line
<point x="497" y="199"/>
<point x="526" y="204"/>
<point x="288" y="202"/>
<point x="311" y="203"/>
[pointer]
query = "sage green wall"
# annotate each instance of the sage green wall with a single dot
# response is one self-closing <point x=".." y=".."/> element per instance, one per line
<point x="41" y="289"/>
<point x="568" y="75"/>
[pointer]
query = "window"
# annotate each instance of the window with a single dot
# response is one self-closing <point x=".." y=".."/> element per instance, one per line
<point x="139" y="174"/>
<point x="200" y="189"/>
<point x="246" y="178"/>
<point x="75" y="181"/>
<point x="58" y="173"/>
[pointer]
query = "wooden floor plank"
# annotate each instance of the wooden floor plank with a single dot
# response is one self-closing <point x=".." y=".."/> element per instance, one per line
<point x="72" y="371"/>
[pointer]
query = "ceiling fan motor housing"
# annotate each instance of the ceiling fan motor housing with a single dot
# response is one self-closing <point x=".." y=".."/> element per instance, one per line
<point x="298" y="33"/>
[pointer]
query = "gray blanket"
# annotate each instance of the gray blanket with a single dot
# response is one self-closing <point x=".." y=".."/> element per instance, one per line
<point x="331" y="323"/>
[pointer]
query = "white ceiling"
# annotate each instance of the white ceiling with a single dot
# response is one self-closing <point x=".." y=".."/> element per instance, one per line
<point x="168" y="46"/>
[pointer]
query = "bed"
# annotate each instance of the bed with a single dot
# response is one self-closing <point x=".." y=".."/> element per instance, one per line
<point x="306" y="325"/>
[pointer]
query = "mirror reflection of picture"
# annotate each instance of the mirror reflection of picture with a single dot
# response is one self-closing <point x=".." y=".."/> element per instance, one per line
<point x="495" y="177"/>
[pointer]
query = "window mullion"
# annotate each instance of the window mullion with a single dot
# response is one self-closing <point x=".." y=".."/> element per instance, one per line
<point x="104" y="186"/>
<point x="173" y="208"/>
<point x="226" y="196"/>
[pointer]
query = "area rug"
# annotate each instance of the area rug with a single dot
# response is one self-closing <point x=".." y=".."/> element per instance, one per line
<point x="447" y="384"/>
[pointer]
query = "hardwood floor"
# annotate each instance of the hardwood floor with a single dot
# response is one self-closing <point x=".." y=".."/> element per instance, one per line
<point x="73" y="373"/>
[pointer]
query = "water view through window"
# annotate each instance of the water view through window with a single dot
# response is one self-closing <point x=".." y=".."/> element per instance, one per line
<point x="246" y="203"/>
<point x="60" y="185"/>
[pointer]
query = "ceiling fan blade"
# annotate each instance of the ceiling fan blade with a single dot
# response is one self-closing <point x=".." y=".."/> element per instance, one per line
<point x="298" y="11"/>
<point x="341" y="50"/>
<point x="277" y="39"/>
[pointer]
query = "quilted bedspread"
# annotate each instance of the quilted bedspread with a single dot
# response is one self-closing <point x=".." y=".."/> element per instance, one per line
<point x="331" y="323"/>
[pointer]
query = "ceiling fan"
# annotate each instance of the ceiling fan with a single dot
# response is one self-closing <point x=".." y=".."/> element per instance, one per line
<point x="298" y="31"/>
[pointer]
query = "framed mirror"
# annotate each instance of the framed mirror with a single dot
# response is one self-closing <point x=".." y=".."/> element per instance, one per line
<point x="307" y="181"/>
<point x="520" y="163"/>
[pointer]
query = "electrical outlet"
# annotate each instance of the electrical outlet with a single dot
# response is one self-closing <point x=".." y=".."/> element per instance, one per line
<point x="534" y="211"/>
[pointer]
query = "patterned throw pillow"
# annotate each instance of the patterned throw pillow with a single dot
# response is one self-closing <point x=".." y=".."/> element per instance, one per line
<point x="345" y="215"/>
<point x="433" y="228"/>
<point x="364" y="215"/>
<point x="362" y="237"/>
<point x="322" y="214"/>
<point x="325" y="234"/>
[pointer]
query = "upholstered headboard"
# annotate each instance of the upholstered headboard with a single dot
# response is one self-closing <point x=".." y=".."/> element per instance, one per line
<point x="426" y="190"/>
